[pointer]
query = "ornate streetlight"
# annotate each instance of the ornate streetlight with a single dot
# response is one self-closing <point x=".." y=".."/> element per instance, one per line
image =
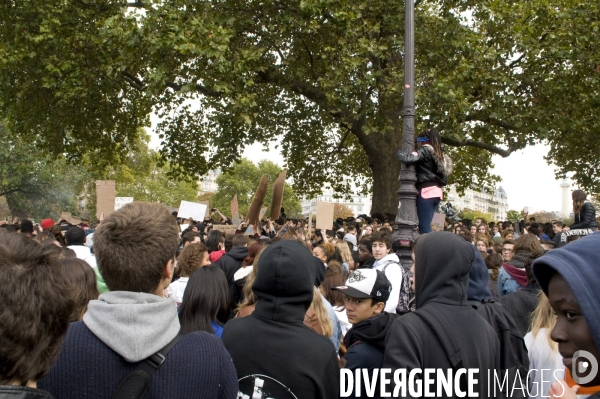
<point x="406" y="218"/>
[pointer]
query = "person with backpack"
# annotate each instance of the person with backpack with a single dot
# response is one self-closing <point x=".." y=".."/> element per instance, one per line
<point x="444" y="332"/>
<point x="389" y="263"/>
<point x="133" y="328"/>
<point x="433" y="168"/>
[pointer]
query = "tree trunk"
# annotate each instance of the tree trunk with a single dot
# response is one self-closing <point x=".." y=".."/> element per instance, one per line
<point x="386" y="171"/>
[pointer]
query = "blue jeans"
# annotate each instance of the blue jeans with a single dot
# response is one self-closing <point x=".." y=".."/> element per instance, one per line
<point x="425" y="210"/>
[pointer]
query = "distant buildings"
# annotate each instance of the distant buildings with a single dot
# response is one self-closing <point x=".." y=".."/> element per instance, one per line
<point x="208" y="182"/>
<point x="495" y="203"/>
<point x="358" y="204"/>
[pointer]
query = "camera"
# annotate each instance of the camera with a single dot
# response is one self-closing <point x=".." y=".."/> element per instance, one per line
<point x="213" y="209"/>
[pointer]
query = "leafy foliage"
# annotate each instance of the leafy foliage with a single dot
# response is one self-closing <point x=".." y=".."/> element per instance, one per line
<point x="33" y="183"/>
<point x="513" y="216"/>
<point x="473" y="214"/>
<point x="323" y="79"/>
<point x="243" y="180"/>
<point x="341" y="211"/>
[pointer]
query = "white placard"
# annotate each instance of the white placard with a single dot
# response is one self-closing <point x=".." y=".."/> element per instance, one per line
<point x="120" y="202"/>
<point x="192" y="210"/>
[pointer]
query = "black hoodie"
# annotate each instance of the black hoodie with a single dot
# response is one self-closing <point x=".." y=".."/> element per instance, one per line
<point x="442" y="264"/>
<point x="231" y="263"/>
<point x="366" y="344"/>
<point x="272" y="347"/>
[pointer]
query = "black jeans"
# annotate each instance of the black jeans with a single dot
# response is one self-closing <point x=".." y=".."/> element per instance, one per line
<point x="425" y="210"/>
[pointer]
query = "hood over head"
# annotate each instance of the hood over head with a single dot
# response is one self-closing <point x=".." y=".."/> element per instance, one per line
<point x="478" y="279"/>
<point x="133" y="324"/>
<point x="284" y="283"/>
<point x="238" y="253"/>
<point x="443" y="261"/>
<point x="577" y="263"/>
<point x="351" y="238"/>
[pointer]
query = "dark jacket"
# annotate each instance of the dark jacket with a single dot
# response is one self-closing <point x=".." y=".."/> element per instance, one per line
<point x="87" y="368"/>
<point x="521" y="305"/>
<point x="272" y="346"/>
<point x="429" y="168"/>
<point x="442" y="264"/>
<point x="366" y="344"/>
<point x="586" y="218"/>
<point x="368" y="264"/>
<point x="18" y="392"/>
<point x="514" y="360"/>
<point x="230" y="263"/>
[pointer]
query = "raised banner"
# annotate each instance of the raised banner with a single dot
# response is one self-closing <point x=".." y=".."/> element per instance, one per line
<point x="192" y="210"/>
<point x="235" y="217"/>
<point x="105" y="197"/>
<point x="324" y="215"/>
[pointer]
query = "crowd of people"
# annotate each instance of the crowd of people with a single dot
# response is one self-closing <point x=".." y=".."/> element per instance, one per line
<point x="156" y="307"/>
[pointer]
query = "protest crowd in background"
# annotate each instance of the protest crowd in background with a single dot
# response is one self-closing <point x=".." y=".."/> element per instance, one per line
<point x="208" y="310"/>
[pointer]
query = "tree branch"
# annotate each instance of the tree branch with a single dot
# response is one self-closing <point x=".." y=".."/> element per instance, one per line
<point x="202" y="89"/>
<point x="477" y="144"/>
<point x="136" y="4"/>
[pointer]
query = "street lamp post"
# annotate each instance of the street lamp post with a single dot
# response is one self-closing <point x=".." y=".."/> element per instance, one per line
<point x="406" y="218"/>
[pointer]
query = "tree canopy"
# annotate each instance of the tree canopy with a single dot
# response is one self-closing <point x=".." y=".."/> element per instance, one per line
<point x="35" y="184"/>
<point x="323" y="79"/>
<point x="243" y="180"/>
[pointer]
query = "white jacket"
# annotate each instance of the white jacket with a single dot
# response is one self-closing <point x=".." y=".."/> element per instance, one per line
<point x="84" y="253"/>
<point x="391" y="264"/>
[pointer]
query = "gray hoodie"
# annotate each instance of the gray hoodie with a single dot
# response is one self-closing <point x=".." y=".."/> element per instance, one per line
<point x="133" y="324"/>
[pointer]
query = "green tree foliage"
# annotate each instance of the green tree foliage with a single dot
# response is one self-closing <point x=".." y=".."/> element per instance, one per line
<point x="472" y="215"/>
<point x="34" y="184"/>
<point x="141" y="174"/>
<point x="243" y="180"/>
<point x="322" y="78"/>
<point x="513" y="216"/>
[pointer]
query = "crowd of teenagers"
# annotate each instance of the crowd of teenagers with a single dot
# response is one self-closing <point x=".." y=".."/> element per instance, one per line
<point x="144" y="306"/>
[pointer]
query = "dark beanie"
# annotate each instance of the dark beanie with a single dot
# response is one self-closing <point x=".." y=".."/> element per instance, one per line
<point x="319" y="271"/>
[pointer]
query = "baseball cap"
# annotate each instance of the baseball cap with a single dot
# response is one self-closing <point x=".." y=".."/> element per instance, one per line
<point x="47" y="223"/>
<point x="367" y="283"/>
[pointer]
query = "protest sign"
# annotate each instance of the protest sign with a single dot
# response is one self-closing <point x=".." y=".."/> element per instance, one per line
<point x="324" y="215"/>
<point x="207" y="213"/>
<point x="235" y="217"/>
<point x="439" y="219"/>
<point x="193" y="210"/>
<point x="120" y="202"/>
<point x="105" y="197"/>
<point x="225" y="228"/>
<point x="262" y="213"/>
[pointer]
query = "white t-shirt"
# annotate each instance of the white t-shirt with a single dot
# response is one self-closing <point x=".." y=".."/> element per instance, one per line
<point x="84" y="253"/>
<point x="394" y="274"/>
<point x="176" y="289"/>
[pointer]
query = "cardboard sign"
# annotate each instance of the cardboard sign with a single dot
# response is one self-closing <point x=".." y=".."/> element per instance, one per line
<point x="324" y="215"/>
<point x="439" y="219"/>
<point x="105" y="197"/>
<point x="120" y="202"/>
<point x="235" y="217"/>
<point x="192" y="210"/>
<point x="225" y="228"/>
<point x="75" y="220"/>
<point x="286" y="232"/>
<point x="66" y="216"/>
